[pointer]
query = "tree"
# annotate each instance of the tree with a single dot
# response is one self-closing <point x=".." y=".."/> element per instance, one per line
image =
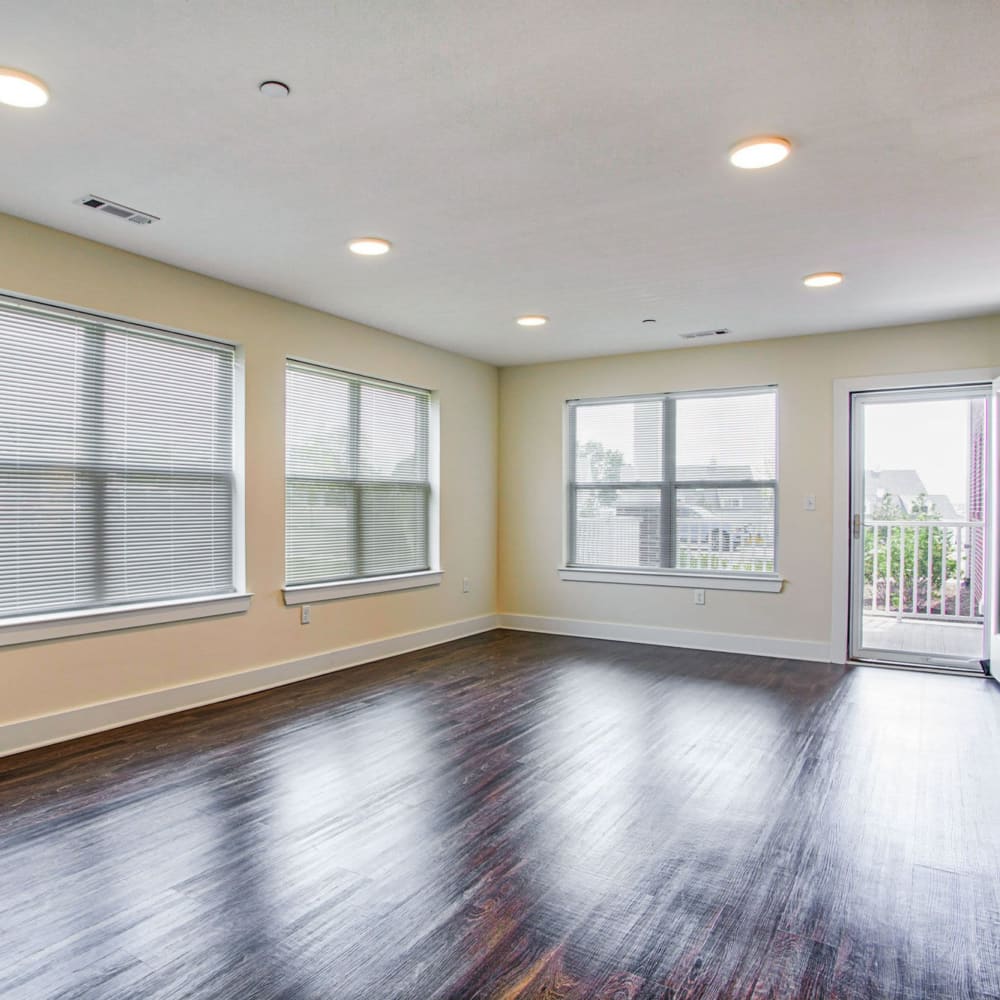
<point x="605" y="463"/>
<point x="605" y="467"/>
<point x="906" y="556"/>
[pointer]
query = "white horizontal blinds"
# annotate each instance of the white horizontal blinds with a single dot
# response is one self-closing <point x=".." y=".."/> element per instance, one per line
<point x="357" y="477"/>
<point x="618" y="527"/>
<point x="726" y="479"/>
<point x="320" y="509"/>
<point x="167" y="448"/>
<point x="726" y="437"/>
<point x="48" y="529"/>
<point x="395" y="490"/>
<point x="674" y="481"/>
<point x="116" y="463"/>
<point x="617" y="518"/>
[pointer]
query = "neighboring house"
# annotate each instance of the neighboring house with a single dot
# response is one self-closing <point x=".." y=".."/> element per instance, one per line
<point x="905" y="488"/>
<point x="944" y="507"/>
<point x="902" y="486"/>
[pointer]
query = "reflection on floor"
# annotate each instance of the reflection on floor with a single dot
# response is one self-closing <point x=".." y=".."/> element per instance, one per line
<point x="518" y="817"/>
<point x="928" y="638"/>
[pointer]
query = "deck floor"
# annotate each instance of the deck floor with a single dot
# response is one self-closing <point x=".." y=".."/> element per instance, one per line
<point x="926" y="638"/>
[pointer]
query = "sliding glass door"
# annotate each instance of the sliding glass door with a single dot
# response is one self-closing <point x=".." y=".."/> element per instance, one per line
<point x="919" y="503"/>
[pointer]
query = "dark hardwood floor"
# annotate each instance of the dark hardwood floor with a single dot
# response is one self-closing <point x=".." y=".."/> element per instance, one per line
<point x="520" y="816"/>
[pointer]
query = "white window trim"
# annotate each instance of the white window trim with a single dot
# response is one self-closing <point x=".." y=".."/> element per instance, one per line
<point x="664" y="577"/>
<point x="38" y="628"/>
<point x="769" y="583"/>
<point x="310" y="593"/>
<point x="65" y="624"/>
<point x="332" y="590"/>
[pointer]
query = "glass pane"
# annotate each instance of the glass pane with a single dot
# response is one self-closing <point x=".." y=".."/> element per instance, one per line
<point x="43" y="369"/>
<point x="619" y="442"/>
<point x="48" y="552"/>
<point x="725" y="529"/>
<point x="394" y="529"/>
<point x="164" y="404"/>
<point x="923" y="549"/>
<point x="617" y="527"/>
<point x="726" y="437"/>
<point x="393" y="434"/>
<point x="165" y="535"/>
<point x="320" y="527"/>
<point x="317" y="424"/>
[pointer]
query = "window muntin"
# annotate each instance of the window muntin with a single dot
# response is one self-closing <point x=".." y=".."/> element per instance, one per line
<point x="357" y="477"/>
<point x="117" y="479"/>
<point x="678" y="481"/>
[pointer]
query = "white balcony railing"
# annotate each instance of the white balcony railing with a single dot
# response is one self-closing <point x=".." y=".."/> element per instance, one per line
<point x="924" y="569"/>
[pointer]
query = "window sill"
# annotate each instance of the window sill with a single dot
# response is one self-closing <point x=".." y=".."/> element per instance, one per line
<point x="768" y="583"/>
<point x="312" y="592"/>
<point x="37" y="628"/>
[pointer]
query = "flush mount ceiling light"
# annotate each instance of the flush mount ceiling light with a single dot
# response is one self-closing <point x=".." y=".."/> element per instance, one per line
<point x="274" y="88"/>
<point x="532" y="320"/>
<point x="822" y="279"/>
<point x="22" y="90"/>
<point x="369" y="246"/>
<point x="761" y="151"/>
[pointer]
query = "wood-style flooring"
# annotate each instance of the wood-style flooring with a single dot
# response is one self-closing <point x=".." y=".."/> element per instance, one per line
<point x="520" y="816"/>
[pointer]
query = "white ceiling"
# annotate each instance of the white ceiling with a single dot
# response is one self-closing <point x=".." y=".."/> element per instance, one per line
<point x="565" y="157"/>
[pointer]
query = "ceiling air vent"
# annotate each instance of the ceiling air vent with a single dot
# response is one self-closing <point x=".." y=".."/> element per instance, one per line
<point x="118" y="211"/>
<point x="705" y="333"/>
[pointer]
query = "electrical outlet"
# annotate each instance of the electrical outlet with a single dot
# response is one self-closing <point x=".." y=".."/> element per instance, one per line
<point x="306" y="614"/>
<point x="466" y="586"/>
<point x="699" y="597"/>
<point x="810" y="502"/>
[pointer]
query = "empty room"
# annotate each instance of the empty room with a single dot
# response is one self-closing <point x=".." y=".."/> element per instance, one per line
<point x="500" y="502"/>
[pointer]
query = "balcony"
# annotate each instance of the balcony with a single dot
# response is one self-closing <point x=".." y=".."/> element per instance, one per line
<point x="924" y="587"/>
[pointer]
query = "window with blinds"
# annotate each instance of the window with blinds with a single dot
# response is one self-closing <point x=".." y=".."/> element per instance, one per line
<point x="116" y="463"/>
<point x="357" y="482"/>
<point x="679" y="481"/>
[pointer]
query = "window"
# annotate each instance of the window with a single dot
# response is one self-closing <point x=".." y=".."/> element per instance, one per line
<point x="683" y="481"/>
<point x="117" y="476"/>
<point x="357" y="483"/>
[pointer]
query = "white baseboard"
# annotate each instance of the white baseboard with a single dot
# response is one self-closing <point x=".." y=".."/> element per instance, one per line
<point x="30" y="733"/>
<point x="656" y="635"/>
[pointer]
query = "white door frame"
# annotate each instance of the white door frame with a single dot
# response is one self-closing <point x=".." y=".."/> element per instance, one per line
<point x="993" y="536"/>
<point x="841" y="566"/>
<point x="856" y="649"/>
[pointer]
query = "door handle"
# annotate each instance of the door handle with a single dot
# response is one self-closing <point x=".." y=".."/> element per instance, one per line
<point x="857" y="527"/>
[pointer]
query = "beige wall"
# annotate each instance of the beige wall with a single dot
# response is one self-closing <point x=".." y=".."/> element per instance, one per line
<point x="47" y="677"/>
<point x="531" y="464"/>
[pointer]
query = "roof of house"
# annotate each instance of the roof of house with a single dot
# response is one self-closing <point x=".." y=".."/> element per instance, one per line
<point x="899" y="482"/>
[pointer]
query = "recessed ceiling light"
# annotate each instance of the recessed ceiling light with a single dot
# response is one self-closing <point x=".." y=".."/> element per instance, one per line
<point x="822" y="279"/>
<point x="369" y="246"/>
<point x="22" y="90"/>
<point x="274" y="88"/>
<point x="761" y="151"/>
<point x="532" y="320"/>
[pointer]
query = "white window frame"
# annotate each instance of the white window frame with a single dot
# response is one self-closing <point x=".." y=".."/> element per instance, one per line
<point x="310" y="593"/>
<point x="661" y="577"/>
<point x="65" y="624"/>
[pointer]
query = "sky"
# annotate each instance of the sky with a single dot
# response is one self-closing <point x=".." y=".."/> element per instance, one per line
<point x="931" y="437"/>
